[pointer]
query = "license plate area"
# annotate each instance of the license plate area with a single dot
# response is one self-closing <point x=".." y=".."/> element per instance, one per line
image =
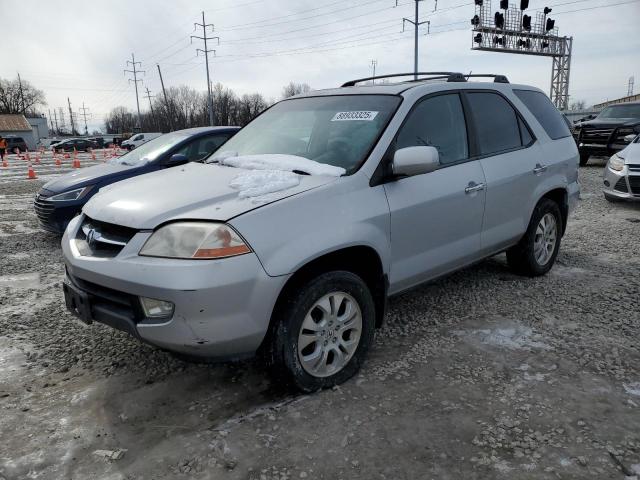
<point x="77" y="302"/>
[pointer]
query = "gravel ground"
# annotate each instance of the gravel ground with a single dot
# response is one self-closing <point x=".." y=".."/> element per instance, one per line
<point x="482" y="374"/>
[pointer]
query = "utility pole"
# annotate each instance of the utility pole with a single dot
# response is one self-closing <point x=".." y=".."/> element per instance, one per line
<point x="73" y="125"/>
<point x="21" y="93"/>
<point x="373" y="66"/>
<point x="55" y="117"/>
<point x="206" y="51"/>
<point x="135" y="80"/>
<point x="84" y="115"/>
<point x="149" y="96"/>
<point x="63" y="125"/>
<point x="166" y="103"/>
<point x="416" y="24"/>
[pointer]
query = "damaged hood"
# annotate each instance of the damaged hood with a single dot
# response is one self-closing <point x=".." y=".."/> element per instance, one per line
<point x="195" y="191"/>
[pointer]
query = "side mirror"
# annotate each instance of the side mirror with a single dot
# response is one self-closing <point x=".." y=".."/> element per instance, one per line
<point x="177" y="159"/>
<point x="411" y="161"/>
<point x="630" y="138"/>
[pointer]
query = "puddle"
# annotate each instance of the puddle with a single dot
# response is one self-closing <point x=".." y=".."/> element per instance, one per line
<point x="23" y="280"/>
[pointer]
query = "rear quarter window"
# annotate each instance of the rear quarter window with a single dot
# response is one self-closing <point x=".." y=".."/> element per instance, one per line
<point x="545" y="112"/>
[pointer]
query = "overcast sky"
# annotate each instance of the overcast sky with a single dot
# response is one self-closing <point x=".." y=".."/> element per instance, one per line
<point x="78" y="49"/>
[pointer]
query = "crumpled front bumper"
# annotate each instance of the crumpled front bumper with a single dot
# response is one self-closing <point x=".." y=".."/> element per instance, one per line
<point x="222" y="307"/>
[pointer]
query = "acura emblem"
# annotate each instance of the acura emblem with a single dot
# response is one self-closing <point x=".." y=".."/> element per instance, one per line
<point x="91" y="237"/>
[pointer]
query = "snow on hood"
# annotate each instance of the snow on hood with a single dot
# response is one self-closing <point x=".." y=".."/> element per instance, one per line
<point x="263" y="182"/>
<point x="279" y="162"/>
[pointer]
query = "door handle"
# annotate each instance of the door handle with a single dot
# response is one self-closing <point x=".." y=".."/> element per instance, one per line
<point x="474" y="187"/>
<point x="539" y="169"/>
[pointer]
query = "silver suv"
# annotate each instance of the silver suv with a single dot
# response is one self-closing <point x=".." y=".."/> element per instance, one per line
<point x="289" y="242"/>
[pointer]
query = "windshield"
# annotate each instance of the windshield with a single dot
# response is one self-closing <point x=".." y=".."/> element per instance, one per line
<point x="621" y="111"/>
<point x="151" y="150"/>
<point x="337" y="130"/>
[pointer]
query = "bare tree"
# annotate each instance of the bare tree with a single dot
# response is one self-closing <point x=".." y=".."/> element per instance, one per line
<point x="119" y="120"/>
<point x="27" y="101"/>
<point x="294" y="89"/>
<point x="578" y="105"/>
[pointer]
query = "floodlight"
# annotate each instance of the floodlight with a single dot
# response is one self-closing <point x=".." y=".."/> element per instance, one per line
<point x="526" y="22"/>
<point x="475" y="21"/>
<point x="524" y="4"/>
<point x="547" y="10"/>
<point x="478" y="38"/>
<point x="499" y="20"/>
<point x="504" y="4"/>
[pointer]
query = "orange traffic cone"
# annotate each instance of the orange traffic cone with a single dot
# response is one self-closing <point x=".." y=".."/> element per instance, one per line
<point x="76" y="162"/>
<point x="31" y="174"/>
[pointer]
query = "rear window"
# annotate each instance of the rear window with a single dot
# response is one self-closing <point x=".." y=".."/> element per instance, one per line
<point x="545" y="112"/>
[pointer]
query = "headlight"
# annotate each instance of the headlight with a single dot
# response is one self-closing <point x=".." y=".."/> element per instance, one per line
<point x="70" y="195"/>
<point x="616" y="163"/>
<point x="196" y="240"/>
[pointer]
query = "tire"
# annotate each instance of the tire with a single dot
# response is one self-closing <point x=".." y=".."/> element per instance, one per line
<point x="525" y="258"/>
<point x="584" y="158"/>
<point x="612" y="199"/>
<point x="294" y="366"/>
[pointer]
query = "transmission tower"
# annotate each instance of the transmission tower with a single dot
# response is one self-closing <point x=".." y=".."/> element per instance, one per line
<point x="84" y="115"/>
<point x="416" y="25"/>
<point x="374" y="64"/>
<point x="206" y="51"/>
<point x="72" y="119"/>
<point x="63" y="126"/>
<point x="630" y="86"/>
<point x="135" y="81"/>
<point x="512" y="31"/>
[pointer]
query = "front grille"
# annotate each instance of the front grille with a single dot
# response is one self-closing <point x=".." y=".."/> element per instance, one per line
<point x="596" y="135"/>
<point x="634" y="183"/>
<point x="101" y="239"/>
<point x="634" y="167"/>
<point x="103" y="299"/>
<point x="621" y="185"/>
<point x="43" y="208"/>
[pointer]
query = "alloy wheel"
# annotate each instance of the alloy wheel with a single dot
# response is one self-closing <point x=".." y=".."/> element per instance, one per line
<point x="544" y="242"/>
<point x="330" y="334"/>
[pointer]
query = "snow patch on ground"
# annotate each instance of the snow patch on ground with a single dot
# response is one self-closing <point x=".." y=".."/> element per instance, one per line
<point x="632" y="389"/>
<point x="263" y="182"/>
<point x="278" y="162"/>
<point x="513" y="338"/>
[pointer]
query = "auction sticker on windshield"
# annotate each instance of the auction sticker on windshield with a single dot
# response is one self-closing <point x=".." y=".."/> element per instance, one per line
<point x="366" y="115"/>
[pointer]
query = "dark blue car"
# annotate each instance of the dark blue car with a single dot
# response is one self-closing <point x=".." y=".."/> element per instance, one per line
<point x="59" y="200"/>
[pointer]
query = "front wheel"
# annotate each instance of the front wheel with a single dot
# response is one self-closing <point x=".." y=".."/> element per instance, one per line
<point x="323" y="332"/>
<point x="536" y="252"/>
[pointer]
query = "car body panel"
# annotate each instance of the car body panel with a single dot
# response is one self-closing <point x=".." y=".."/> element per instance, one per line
<point x="624" y="184"/>
<point x="198" y="191"/>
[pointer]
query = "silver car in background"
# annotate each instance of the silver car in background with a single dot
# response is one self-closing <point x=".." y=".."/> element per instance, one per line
<point x="289" y="242"/>
<point x="622" y="173"/>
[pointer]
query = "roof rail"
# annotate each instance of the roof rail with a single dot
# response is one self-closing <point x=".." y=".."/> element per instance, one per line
<point x="496" y="78"/>
<point x="450" y="76"/>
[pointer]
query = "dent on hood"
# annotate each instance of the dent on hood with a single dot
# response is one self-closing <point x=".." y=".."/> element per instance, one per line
<point x="270" y="173"/>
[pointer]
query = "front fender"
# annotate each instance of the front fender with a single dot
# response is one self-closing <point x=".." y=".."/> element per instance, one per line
<point x="287" y="234"/>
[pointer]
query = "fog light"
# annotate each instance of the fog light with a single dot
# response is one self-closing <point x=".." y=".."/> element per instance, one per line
<point x="606" y="183"/>
<point x="156" y="308"/>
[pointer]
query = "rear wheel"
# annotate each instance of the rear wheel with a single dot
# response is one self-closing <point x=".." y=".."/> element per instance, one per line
<point x="323" y="332"/>
<point x="584" y="158"/>
<point x="536" y="252"/>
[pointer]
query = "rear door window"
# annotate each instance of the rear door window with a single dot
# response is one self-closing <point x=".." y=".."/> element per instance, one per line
<point x="496" y="123"/>
<point x="438" y="122"/>
<point x="545" y="112"/>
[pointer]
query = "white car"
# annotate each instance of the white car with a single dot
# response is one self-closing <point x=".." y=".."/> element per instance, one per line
<point x="138" y="139"/>
<point x="622" y="174"/>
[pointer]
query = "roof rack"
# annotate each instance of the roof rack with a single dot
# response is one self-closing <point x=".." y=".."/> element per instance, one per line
<point x="496" y="78"/>
<point x="450" y="76"/>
